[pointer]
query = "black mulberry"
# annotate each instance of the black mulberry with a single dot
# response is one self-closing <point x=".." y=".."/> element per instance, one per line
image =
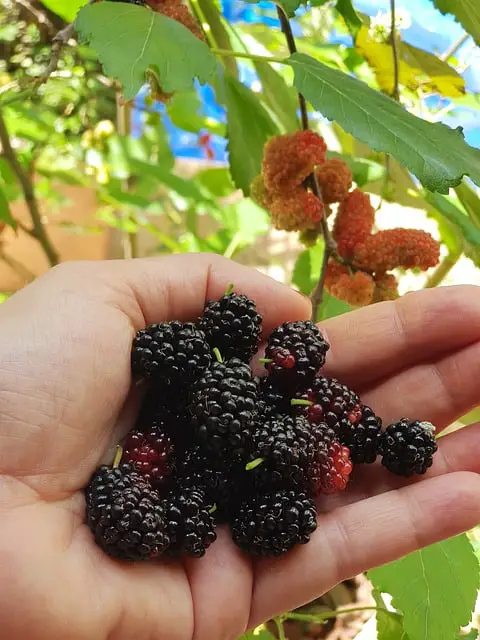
<point x="407" y="447"/>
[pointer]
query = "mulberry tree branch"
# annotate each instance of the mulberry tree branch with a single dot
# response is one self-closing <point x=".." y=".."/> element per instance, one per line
<point x="396" y="64"/>
<point x="38" y="230"/>
<point x="330" y="244"/>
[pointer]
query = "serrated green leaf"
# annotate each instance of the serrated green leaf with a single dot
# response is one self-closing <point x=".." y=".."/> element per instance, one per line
<point x="435" y="153"/>
<point x="66" y="10"/>
<point x="466" y="12"/>
<point x="249" y="126"/>
<point x="389" y="624"/>
<point x="435" y="588"/>
<point x="141" y="40"/>
<point x="280" y="98"/>
<point x="5" y="213"/>
<point x="455" y="215"/>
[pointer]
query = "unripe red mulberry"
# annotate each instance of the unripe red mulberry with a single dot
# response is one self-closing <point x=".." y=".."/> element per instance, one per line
<point x="386" y="287"/>
<point x="258" y="191"/>
<point x="289" y="159"/>
<point x="354" y="222"/>
<point x="335" y="180"/>
<point x="392" y="248"/>
<point x="355" y="289"/>
<point x="297" y="211"/>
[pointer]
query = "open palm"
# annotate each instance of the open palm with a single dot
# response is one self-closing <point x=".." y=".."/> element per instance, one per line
<point x="64" y="382"/>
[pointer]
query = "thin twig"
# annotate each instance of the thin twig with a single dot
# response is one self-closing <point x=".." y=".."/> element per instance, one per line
<point x="280" y="628"/>
<point x="454" y="48"/>
<point x="38" y="231"/>
<point x="396" y="65"/>
<point x="124" y="114"/>
<point x="38" y="15"/>
<point x="330" y="244"/>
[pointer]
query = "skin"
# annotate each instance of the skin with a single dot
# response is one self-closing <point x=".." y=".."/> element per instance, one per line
<point x="65" y="400"/>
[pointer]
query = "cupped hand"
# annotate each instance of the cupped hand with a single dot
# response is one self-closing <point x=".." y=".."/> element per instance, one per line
<point x="64" y="380"/>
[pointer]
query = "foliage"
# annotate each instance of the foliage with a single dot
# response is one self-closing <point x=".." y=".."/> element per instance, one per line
<point x="82" y="115"/>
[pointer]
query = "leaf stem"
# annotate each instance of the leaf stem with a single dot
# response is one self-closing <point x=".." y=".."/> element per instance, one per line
<point x="299" y="402"/>
<point x="312" y="182"/>
<point x="254" y="464"/>
<point x="249" y="56"/>
<point x="442" y="271"/>
<point x="38" y="230"/>
<point x="281" y="631"/>
<point x="328" y="615"/>
<point x="396" y="66"/>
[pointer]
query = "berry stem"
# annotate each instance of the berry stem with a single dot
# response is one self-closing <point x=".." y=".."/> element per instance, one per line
<point x="253" y="464"/>
<point x="265" y="360"/>
<point x="229" y="288"/>
<point x="213" y="509"/>
<point x="312" y="182"/>
<point x="218" y="355"/>
<point x="298" y="402"/>
<point x="249" y="56"/>
<point x="281" y="631"/>
<point x="328" y="615"/>
<point x="118" y="456"/>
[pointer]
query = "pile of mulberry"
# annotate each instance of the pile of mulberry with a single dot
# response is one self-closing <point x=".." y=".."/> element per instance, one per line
<point x="214" y="443"/>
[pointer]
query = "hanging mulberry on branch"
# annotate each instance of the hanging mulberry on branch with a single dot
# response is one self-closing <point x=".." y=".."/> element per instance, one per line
<point x="354" y="288"/>
<point x="393" y="248"/>
<point x="354" y="222"/>
<point x="386" y="287"/>
<point x="335" y="180"/>
<point x="289" y="159"/>
<point x="297" y="211"/>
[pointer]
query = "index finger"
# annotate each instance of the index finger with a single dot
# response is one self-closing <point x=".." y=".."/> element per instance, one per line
<point x="374" y="342"/>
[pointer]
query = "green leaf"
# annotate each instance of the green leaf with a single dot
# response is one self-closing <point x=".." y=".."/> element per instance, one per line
<point x="261" y="633"/>
<point x="141" y="40"/>
<point x="290" y="6"/>
<point x="249" y="126"/>
<point x="5" y="213"/>
<point x="216" y="180"/>
<point x="467" y="12"/>
<point x="346" y="9"/>
<point x="363" y="170"/>
<point x="184" y="188"/>
<point x="279" y="97"/>
<point x="183" y="111"/>
<point x="435" y="588"/>
<point x="389" y="623"/>
<point x="455" y="215"/>
<point x="333" y="307"/>
<point x="307" y="268"/>
<point x="66" y="10"/>
<point x="435" y="153"/>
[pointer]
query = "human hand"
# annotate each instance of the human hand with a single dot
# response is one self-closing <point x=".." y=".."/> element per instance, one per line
<point x="65" y="376"/>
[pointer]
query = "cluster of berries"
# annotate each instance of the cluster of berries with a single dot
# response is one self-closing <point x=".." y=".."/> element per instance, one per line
<point x="363" y="273"/>
<point x="214" y="443"/>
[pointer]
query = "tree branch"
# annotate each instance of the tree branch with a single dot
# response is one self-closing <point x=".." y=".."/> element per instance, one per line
<point x="396" y="66"/>
<point x="38" y="231"/>
<point x="312" y="182"/>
